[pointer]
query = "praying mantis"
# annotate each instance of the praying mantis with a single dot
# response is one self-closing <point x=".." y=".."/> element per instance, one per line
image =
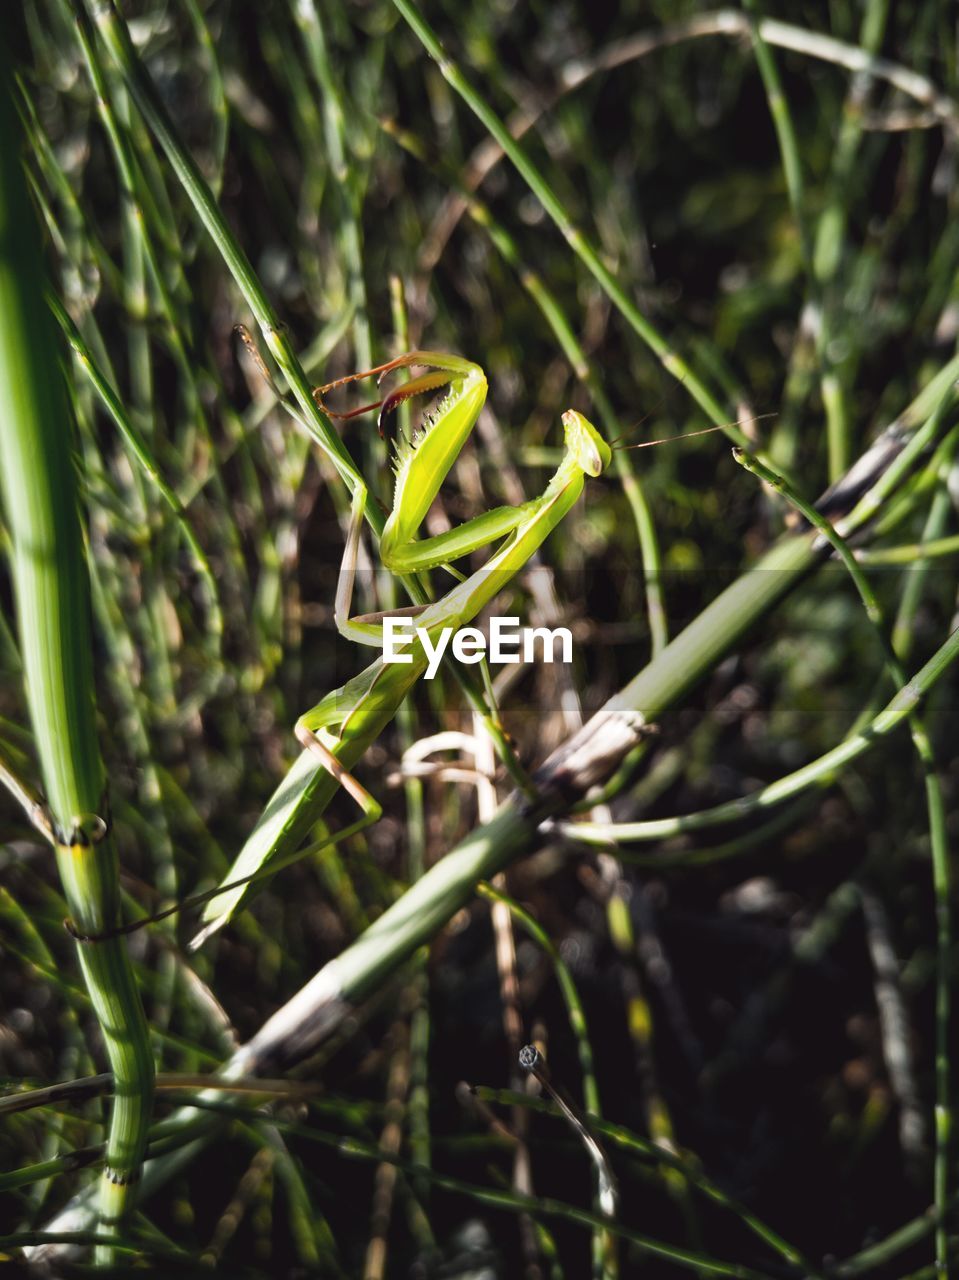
<point x="338" y="731"/>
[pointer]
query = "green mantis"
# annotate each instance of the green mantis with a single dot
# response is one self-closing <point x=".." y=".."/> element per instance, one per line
<point x="338" y="731"/>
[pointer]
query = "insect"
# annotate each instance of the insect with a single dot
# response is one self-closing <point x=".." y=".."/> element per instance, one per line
<point x="337" y="732"/>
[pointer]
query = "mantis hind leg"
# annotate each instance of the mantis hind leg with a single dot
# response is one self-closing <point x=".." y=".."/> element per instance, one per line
<point x="256" y="863"/>
<point x="260" y="856"/>
<point x="336" y="709"/>
<point x="371" y="808"/>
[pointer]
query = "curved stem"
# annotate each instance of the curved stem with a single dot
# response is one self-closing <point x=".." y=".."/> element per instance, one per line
<point x="577" y="241"/>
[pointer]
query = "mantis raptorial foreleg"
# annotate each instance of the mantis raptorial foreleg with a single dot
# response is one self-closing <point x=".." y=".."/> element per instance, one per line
<point x="422" y="464"/>
<point x="362" y="708"/>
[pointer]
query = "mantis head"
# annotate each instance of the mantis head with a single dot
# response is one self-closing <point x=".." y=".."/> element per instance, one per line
<point x="585" y="444"/>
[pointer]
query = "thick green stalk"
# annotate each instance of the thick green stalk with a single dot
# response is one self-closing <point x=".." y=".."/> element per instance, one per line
<point x="53" y="609"/>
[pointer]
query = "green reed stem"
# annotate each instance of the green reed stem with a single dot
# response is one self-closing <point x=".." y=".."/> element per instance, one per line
<point x="574" y="1005"/>
<point x="829" y="236"/>
<point x="903" y="632"/>
<point x="53" y="610"/>
<point x="909" y="552"/>
<point x="935" y="402"/>
<point x="837" y="426"/>
<point x="783" y="124"/>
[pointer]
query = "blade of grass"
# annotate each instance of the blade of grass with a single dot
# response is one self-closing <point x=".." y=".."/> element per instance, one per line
<point x="343" y="173"/>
